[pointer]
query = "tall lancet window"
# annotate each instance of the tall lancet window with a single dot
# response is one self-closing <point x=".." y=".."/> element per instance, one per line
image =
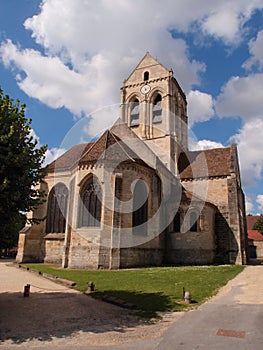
<point x="134" y="112"/>
<point x="57" y="209"/>
<point x="140" y="208"/>
<point x="90" y="204"/>
<point x="157" y="109"/>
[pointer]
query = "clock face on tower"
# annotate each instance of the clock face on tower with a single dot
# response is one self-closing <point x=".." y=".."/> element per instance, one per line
<point x="145" y="89"/>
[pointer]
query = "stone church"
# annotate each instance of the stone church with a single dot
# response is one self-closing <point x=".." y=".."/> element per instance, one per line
<point x="137" y="196"/>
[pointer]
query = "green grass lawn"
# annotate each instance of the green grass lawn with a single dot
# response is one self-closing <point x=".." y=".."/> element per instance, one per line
<point x="151" y="289"/>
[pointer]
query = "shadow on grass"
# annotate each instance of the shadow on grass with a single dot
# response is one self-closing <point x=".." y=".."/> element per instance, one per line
<point x="145" y="304"/>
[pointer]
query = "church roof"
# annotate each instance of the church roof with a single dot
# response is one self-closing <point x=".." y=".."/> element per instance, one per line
<point x="102" y="149"/>
<point x="208" y="163"/>
<point x="96" y="150"/>
<point x="93" y="151"/>
<point x="69" y="158"/>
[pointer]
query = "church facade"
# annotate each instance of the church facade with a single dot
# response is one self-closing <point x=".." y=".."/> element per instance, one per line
<point x="137" y="196"/>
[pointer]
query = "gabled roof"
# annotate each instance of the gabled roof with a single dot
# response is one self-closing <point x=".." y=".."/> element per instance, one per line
<point x="251" y="220"/>
<point x="208" y="163"/>
<point x="109" y="146"/>
<point x="96" y="150"/>
<point x="147" y="62"/>
<point x="69" y="158"/>
<point x="255" y="235"/>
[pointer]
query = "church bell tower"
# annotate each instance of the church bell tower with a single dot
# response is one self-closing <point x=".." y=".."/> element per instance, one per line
<point x="153" y="105"/>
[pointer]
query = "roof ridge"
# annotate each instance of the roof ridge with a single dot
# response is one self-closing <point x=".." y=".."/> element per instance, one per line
<point x="117" y="141"/>
<point x="94" y="143"/>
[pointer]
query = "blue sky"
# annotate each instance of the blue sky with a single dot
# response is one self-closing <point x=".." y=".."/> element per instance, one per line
<point x="66" y="59"/>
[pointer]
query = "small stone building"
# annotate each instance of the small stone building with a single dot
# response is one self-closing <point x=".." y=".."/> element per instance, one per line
<point x="255" y="238"/>
<point x="137" y="196"/>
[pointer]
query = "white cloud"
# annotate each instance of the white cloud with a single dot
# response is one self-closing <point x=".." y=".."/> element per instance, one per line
<point x="250" y="145"/>
<point x="52" y="154"/>
<point x="195" y="145"/>
<point x="200" y="107"/>
<point x="91" y="46"/>
<point x="259" y="200"/>
<point x="242" y="97"/>
<point x="249" y="205"/>
<point x="255" y="48"/>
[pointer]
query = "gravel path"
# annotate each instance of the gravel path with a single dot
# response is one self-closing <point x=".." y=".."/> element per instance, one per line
<point x="55" y="315"/>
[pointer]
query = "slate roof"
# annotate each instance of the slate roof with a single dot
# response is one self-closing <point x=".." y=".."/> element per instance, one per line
<point x="255" y="235"/>
<point x="212" y="163"/>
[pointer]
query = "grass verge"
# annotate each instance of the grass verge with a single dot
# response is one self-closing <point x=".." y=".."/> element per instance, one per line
<point x="152" y="290"/>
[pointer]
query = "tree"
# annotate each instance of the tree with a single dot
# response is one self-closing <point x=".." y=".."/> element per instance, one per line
<point x="259" y="225"/>
<point x="20" y="169"/>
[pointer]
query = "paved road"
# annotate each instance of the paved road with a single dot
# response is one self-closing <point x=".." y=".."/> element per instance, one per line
<point x="231" y="320"/>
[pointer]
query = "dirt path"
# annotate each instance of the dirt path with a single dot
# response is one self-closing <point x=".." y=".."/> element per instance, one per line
<point x="59" y="316"/>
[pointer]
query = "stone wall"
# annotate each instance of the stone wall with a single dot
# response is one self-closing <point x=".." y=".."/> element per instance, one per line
<point x="140" y="257"/>
<point x="224" y="193"/>
<point x="84" y="248"/>
<point x="193" y="247"/>
<point x="54" y="248"/>
<point x="30" y="246"/>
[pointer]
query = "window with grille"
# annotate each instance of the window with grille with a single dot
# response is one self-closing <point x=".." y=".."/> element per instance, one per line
<point x="57" y="209"/>
<point x="157" y="109"/>
<point x="140" y="208"/>
<point x="90" y="204"/>
<point x="134" y="112"/>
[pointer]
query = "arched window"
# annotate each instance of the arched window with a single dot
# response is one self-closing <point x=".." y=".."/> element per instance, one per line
<point x="177" y="222"/>
<point x="157" y="109"/>
<point x="57" y="209"/>
<point x="134" y="114"/>
<point x="146" y="76"/>
<point x="140" y="207"/>
<point x="90" y="204"/>
<point x="193" y="222"/>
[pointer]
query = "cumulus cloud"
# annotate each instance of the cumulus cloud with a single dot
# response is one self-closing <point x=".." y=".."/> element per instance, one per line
<point x="250" y="145"/>
<point x="259" y="200"/>
<point x="200" y="106"/>
<point x="52" y="154"/>
<point x="249" y="205"/>
<point x="255" y="49"/>
<point x="195" y="145"/>
<point x="89" y="47"/>
<point x="242" y="97"/>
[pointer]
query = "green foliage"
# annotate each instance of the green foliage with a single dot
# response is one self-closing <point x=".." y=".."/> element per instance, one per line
<point x="20" y="167"/>
<point x="151" y="289"/>
<point x="259" y="225"/>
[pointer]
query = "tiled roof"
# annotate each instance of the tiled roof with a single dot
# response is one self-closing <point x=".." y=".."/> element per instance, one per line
<point x="212" y="163"/>
<point x="255" y="235"/>
<point x="111" y="147"/>
<point x="251" y="220"/>
<point x="69" y="158"/>
<point x="97" y="149"/>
